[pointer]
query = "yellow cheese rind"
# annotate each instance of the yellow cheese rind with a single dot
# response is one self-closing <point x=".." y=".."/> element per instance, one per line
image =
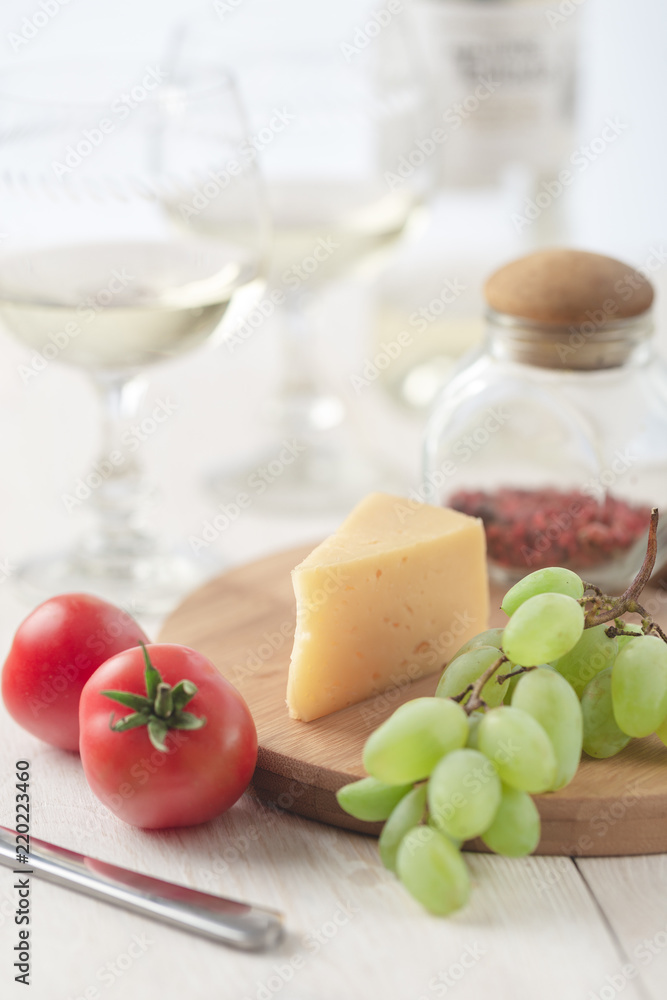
<point x="387" y="599"/>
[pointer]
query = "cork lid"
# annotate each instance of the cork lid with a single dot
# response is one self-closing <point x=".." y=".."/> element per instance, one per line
<point x="569" y="309"/>
<point x="566" y="287"/>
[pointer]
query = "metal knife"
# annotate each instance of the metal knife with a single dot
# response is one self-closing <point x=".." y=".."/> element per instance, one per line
<point x="227" y="921"/>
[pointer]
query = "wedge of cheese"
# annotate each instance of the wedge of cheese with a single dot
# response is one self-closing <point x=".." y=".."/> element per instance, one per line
<point x="387" y="599"/>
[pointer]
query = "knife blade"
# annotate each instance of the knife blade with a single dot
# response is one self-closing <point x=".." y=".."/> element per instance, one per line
<point x="227" y="921"/>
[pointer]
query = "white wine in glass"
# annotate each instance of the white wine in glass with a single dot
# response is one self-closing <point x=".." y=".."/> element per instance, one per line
<point x="333" y="125"/>
<point x="96" y="273"/>
<point x="97" y="315"/>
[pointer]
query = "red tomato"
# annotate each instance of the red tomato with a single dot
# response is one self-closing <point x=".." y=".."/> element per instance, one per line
<point x="200" y="773"/>
<point x="54" y="652"/>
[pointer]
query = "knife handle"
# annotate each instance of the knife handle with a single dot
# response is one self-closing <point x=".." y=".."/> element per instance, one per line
<point x="226" y="921"/>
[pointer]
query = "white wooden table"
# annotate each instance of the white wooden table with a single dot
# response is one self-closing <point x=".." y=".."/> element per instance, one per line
<point x="538" y="927"/>
<point x="535" y="929"/>
<point x="547" y="928"/>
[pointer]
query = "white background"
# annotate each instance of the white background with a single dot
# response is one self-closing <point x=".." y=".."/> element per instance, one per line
<point x="47" y="428"/>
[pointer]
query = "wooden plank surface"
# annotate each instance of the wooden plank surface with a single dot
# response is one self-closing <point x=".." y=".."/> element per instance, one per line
<point x="530" y="930"/>
<point x="632" y="894"/>
<point x="534" y="929"/>
<point x="244" y="621"/>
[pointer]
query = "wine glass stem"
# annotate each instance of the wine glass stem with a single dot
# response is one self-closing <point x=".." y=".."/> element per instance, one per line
<point x="120" y="498"/>
<point x="305" y="404"/>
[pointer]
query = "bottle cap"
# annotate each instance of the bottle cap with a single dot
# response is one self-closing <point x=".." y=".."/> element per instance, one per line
<point x="570" y="309"/>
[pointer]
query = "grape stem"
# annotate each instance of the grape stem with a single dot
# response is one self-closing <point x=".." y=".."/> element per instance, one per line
<point x="627" y="602"/>
<point x="614" y="631"/>
<point x="596" y="591"/>
<point x="461" y="696"/>
<point x="515" y="673"/>
<point x="475" y="700"/>
<point x="653" y="627"/>
<point x="603" y="608"/>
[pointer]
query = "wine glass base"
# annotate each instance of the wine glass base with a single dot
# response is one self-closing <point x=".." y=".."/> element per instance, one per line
<point x="315" y="481"/>
<point x="150" y="584"/>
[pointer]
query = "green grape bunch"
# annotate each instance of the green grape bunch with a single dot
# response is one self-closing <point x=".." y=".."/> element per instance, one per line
<point x="512" y="713"/>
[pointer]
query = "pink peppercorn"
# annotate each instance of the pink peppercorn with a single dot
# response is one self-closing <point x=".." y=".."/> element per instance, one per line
<point x="530" y="529"/>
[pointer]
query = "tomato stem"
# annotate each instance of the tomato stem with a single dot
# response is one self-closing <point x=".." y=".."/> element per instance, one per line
<point x="164" y="702"/>
<point x="160" y="710"/>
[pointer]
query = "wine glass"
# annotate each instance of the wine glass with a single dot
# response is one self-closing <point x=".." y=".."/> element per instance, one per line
<point x="97" y="270"/>
<point x="334" y="109"/>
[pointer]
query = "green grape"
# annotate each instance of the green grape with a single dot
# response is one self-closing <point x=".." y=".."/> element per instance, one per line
<point x="433" y="871"/>
<point x="513" y="681"/>
<point x="463" y="794"/>
<point x="552" y="580"/>
<point x="457" y="842"/>
<point x="550" y="699"/>
<point x="639" y="686"/>
<point x="511" y="687"/>
<point x="661" y="731"/>
<point x="474" y="722"/>
<point x="408" y="813"/>
<point x="491" y="637"/>
<point x="519" y="747"/>
<point x="408" y="745"/>
<point x="515" y="830"/>
<point x="543" y="628"/>
<point x="370" y="799"/>
<point x="466" y="669"/>
<point x="594" y="652"/>
<point x="602" y="737"/>
<point x="623" y="640"/>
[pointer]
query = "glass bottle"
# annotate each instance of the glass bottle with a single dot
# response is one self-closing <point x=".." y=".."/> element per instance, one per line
<point x="554" y="432"/>
<point x="503" y="82"/>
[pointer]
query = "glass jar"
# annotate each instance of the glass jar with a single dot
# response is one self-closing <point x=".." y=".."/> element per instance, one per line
<point x="555" y="431"/>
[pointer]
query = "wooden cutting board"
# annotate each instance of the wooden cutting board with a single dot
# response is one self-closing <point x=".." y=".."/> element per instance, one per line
<point x="244" y="622"/>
